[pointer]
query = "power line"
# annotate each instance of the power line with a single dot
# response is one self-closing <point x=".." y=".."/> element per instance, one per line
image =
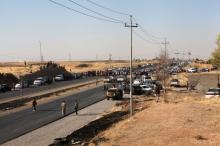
<point x="147" y="33"/>
<point x="71" y="9"/>
<point x="144" y="39"/>
<point x="95" y="12"/>
<point x="111" y="10"/>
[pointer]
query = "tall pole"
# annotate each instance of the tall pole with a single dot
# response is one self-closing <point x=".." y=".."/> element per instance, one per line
<point x="41" y="56"/>
<point x="165" y="64"/>
<point x="131" y="54"/>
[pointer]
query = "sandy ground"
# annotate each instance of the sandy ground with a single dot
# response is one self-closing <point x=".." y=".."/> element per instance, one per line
<point x="187" y="120"/>
<point x="18" y="68"/>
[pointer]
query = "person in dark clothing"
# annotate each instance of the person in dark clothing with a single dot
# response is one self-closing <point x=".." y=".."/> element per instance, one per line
<point x="76" y="106"/>
<point x="157" y="90"/>
<point x="34" y="104"/>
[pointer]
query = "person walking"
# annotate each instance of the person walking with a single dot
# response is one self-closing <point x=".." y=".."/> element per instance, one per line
<point x="63" y="107"/>
<point x="34" y="104"/>
<point x="76" y="106"/>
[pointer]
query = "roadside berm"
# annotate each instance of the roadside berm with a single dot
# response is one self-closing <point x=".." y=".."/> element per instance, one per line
<point x="186" y="118"/>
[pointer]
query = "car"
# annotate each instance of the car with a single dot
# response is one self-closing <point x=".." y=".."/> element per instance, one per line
<point x="212" y="92"/>
<point x="114" y="93"/>
<point x="174" y="83"/>
<point x="121" y="78"/>
<point x="147" y="89"/>
<point x="137" y="82"/>
<point x="39" y="81"/>
<point x="4" y="88"/>
<point x="192" y="70"/>
<point x="21" y="84"/>
<point x="59" y="77"/>
<point x="204" y="70"/>
<point x="137" y="90"/>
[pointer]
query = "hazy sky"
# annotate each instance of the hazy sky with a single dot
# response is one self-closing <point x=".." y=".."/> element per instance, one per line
<point x="189" y="25"/>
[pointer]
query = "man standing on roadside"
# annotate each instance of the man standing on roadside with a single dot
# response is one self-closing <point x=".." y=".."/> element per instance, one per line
<point x="63" y="108"/>
<point x="157" y="94"/>
<point x="34" y="104"/>
<point x="76" y="105"/>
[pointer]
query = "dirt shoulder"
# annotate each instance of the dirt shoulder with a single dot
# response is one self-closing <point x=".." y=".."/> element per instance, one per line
<point x="188" y="119"/>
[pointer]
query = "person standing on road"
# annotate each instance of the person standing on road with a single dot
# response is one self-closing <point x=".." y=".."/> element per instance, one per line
<point x="76" y="106"/>
<point x="63" y="108"/>
<point x="34" y="104"/>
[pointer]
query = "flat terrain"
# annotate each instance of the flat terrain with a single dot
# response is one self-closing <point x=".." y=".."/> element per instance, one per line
<point x="186" y="119"/>
<point x="18" y="68"/>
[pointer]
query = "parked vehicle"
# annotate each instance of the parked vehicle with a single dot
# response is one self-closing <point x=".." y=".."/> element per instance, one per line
<point x="21" y="84"/>
<point x="114" y="93"/>
<point x="137" y="90"/>
<point x="213" y="92"/>
<point x="4" y="88"/>
<point x="147" y="89"/>
<point x="137" y="82"/>
<point x="39" y="81"/>
<point x="121" y="78"/>
<point x="192" y="70"/>
<point x="59" y="77"/>
<point x="174" y="83"/>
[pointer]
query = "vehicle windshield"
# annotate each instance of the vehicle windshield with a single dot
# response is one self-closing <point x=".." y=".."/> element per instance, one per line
<point x="214" y="90"/>
<point x="112" y="90"/>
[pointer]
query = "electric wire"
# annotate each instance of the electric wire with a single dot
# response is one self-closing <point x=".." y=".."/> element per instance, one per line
<point x="95" y="11"/>
<point x="144" y="39"/>
<point x="108" y="9"/>
<point x="85" y="14"/>
<point x="155" y="38"/>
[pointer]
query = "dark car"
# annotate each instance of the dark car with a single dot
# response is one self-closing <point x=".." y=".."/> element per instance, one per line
<point x="137" y="90"/>
<point x="4" y="88"/>
<point x="114" y="93"/>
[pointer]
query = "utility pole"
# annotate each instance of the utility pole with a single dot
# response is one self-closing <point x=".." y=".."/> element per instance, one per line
<point x="131" y="99"/>
<point x="69" y="56"/>
<point x="165" y="64"/>
<point x="165" y="43"/>
<point x="110" y="60"/>
<point x="189" y="56"/>
<point x="41" y="56"/>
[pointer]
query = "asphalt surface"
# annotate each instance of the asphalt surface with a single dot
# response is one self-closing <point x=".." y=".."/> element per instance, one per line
<point x="19" y="123"/>
<point x="33" y="90"/>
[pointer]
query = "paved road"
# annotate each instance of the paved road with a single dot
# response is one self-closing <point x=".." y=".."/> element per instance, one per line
<point x="16" y="124"/>
<point x="29" y="91"/>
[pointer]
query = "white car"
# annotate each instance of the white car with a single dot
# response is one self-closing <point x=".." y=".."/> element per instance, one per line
<point x="39" y="81"/>
<point x="137" y="82"/>
<point x="192" y="70"/>
<point x="213" y="92"/>
<point x="59" y="77"/>
<point x="174" y="83"/>
<point x="147" y="89"/>
<point x="18" y="86"/>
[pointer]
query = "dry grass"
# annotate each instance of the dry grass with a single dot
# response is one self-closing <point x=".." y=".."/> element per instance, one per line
<point x="187" y="120"/>
<point x="18" y="68"/>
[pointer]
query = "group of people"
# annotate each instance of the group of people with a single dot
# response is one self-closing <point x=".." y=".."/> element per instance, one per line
<point x="63" y="106"/>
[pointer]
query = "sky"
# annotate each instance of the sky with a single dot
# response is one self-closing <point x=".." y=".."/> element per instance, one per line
<point x="189" y="26"/>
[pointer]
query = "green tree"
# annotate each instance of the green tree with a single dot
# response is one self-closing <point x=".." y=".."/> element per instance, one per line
<point x="216" y="54"/>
